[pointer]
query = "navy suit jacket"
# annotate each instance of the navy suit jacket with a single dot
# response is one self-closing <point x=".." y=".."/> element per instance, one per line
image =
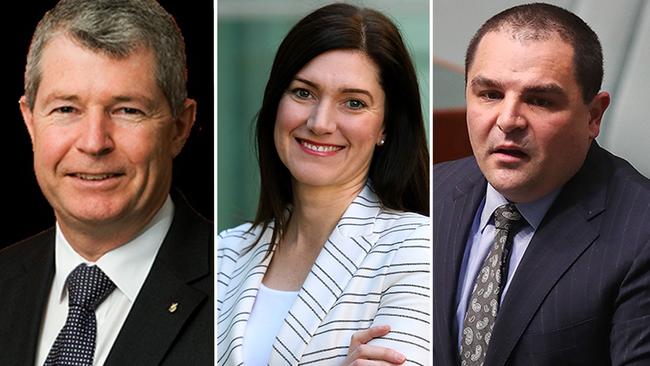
<point x="581" y="293"/>
<point x="182" y="272"/>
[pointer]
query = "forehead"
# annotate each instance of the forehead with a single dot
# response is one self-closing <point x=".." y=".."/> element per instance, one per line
<point x="62" y="47"/>
<point x="505" y="57"/>
<point x="342" y="67"/>
<point x="68" y="68"/>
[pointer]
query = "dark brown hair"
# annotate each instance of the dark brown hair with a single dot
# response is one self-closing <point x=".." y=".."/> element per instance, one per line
<point x="539" y="21"/>
<point x="399" y="171"/>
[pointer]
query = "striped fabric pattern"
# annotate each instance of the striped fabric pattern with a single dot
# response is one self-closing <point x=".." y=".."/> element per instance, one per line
<point x="374" y="269"/>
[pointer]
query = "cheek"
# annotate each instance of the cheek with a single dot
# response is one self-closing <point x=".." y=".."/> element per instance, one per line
<point x="363" y="133"/>
<point x="290" y="115"/>
<point x="51" y="146"/>
<point x="477" y="127"/>
<point x="560" y="134"/>
<point x="146" y="147"/>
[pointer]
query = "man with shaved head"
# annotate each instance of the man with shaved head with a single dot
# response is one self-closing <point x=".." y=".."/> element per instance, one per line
<point x="541" y="242"/>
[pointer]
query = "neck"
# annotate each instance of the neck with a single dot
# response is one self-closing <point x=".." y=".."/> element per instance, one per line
<point x="93" y="240"/>
<point x="316" y="212"/>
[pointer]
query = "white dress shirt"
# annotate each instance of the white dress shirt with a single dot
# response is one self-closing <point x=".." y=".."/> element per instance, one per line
<point x="127" y="266"/>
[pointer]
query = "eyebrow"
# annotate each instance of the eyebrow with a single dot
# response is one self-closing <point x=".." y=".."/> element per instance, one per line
<point x="54" y="96"/>
<point x="119" y="98"/>
<point x="148" y="102"/>
<point x="549" y="88"/>
<point x="484" y="82"/>
<point x="342" y="90"/>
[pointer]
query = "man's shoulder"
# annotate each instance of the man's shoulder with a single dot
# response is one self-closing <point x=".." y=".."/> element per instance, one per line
<point x="188" y="220"/>
<point x="624" y="172"/>
<point x="463" y="164"/>
<point x="27" y="250"/>
<point x="624" y="183"/>
<point x="448" y="174"/>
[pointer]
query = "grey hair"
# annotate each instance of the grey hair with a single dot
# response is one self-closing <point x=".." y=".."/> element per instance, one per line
<point x="116" y="28"/>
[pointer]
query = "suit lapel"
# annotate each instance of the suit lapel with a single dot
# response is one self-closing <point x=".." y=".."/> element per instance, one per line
<point x="336" y="264"/>
<point x="455" y="217"/>
<point x="25" y="295"/>
<point x="170" y="296"/>
<point x="239" y="299"/>
<point x="565" y="233"/>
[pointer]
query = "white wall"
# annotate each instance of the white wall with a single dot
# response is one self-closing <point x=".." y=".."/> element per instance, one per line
<point x="624" y="30"/>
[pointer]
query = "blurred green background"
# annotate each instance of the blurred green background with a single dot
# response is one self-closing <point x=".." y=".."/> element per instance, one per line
<point x="248" y="34"/>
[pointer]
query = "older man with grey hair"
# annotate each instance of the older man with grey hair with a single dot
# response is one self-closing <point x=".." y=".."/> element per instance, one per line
<point x="125" y="276"/>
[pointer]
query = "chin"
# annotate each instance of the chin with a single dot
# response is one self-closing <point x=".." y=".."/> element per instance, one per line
<point x="312" y="181"/>
<point x="312" y="177"/>
<point x="95" y="212"/>
<point x="507" y="182"/>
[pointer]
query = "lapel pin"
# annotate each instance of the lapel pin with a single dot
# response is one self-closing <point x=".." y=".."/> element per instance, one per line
<point x="172" y="308"/>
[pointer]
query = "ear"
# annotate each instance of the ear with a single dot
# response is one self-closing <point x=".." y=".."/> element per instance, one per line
<point x="28" y="116"/>
<point x="183" y="126"/>
<point x="597" y="109"/>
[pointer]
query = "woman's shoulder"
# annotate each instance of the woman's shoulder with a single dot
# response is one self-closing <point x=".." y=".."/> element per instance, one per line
<point x="389" y="218"/>
<point x="402" y="228"/>
<point x="238" y="237"/>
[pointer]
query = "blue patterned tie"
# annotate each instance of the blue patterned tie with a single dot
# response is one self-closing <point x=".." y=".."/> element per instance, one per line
<point x="484" y="302"/>
<point x="75" y="344"/>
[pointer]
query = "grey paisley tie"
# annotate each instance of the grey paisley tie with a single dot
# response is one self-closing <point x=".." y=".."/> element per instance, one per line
<point x="75" y="344"/>
<point x="484" y="303"/>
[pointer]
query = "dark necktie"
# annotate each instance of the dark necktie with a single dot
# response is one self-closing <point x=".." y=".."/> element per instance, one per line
<point x="484" y="303"/>
<point x="75" y="344"/>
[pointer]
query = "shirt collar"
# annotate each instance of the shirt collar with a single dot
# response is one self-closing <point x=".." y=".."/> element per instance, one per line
<point x="127" y="265"/>
<point x="533" y="212"/>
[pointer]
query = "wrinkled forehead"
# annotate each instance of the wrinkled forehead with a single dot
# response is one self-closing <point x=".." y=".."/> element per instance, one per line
<point x="507" y="60"/>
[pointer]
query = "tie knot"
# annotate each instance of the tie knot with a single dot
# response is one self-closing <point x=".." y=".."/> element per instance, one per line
<point x="88" y="286"/>
<point x="507" y="217"/>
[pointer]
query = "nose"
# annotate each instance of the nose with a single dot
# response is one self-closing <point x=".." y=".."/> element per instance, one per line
<point x="95" y="137"/>
<point x="510" y="118"/>
<point x="321" y="120"/>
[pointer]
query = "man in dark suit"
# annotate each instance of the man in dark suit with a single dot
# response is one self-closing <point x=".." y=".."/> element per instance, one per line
<point x="125" y="277"/>
<point x="541" y="241"/>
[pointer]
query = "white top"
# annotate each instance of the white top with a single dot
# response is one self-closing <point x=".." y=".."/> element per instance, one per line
<point x="127" y="266"/>
<point x="269" y="310"/>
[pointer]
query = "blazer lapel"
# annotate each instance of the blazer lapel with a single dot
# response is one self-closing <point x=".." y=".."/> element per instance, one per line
<point x="339" y="259"/>
<point x="239" y="299"/>
<point x="454" y="219"/>
<point x="25" y="296"/>
<point x="170" y="295"/>
<point x="565" y="233"/>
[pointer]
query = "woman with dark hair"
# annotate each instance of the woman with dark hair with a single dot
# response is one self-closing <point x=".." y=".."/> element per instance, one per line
<point x="335" y="266"/>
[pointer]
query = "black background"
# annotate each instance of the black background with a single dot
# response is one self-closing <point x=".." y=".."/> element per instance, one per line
<point x="25" y="211"/>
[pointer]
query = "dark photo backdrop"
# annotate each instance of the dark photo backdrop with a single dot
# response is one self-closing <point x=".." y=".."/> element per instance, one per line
<point x="25" y="211"/>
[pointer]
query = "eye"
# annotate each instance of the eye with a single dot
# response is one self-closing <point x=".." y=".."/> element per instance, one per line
<point x="301" y="93"/>
<point x="539" y="102"/>
<point x="64" y="109"/>
<point x="355" y="104"/>
<point x="129" y="111"/>
<point x="490" y="95"/>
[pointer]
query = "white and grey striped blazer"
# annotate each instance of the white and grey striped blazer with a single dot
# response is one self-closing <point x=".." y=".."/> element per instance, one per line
<point x="373" y="270"/>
